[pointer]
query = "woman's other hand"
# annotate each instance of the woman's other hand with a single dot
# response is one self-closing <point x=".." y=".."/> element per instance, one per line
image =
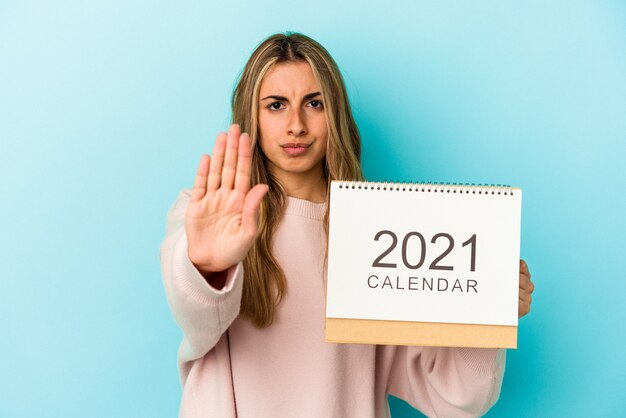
<point x="526" y="288"/>
<point x="221" y="219"/>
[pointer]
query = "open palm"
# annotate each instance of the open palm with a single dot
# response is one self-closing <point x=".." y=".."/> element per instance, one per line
<point x="221" y="219"/>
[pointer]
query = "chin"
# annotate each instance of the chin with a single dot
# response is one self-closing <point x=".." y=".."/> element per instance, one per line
<point x="299" y="168"/>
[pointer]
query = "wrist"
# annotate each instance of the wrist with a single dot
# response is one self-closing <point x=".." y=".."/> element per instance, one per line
<point x="216" y="280"/>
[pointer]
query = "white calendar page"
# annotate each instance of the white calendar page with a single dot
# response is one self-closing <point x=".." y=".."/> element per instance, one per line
<point x="438" y="256"/>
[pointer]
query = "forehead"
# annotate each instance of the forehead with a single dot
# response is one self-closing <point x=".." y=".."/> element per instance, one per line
<point x="289" y="79"/>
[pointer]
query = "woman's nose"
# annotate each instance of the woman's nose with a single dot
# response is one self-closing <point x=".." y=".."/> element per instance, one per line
<point x="297" y="123"/>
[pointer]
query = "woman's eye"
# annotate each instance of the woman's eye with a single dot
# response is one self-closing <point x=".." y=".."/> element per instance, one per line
<point x="275" y="106"/>
<point x="316" y="104"/>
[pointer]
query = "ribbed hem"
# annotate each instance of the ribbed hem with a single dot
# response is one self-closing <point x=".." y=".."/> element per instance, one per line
<point x="305" y="208"/>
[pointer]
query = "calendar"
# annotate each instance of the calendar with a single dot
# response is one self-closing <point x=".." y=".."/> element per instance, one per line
<point x="423" y="264"/>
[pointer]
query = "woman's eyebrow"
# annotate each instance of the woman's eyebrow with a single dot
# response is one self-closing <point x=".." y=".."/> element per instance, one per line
<point x="306" y="97"/>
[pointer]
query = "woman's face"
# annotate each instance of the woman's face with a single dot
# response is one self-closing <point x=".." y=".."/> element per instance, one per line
<point x="292" y="122"/>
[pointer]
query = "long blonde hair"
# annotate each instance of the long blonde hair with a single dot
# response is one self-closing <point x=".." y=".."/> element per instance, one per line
<point x="264" y="280"/>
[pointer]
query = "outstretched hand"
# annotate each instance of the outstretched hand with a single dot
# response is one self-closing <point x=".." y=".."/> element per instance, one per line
<point x="221" y="219"/>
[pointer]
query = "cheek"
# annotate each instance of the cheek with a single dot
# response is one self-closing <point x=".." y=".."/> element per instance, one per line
<point x="264" y="144"/>
<point x="268" y="126"/>
<point x="324" y="135"/>
<point x="262" y="126"/>
<point x="323" y="149"/>
<point x="264" y="132"/>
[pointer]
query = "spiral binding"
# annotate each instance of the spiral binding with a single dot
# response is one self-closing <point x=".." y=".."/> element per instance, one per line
<point x="467" y="188"/>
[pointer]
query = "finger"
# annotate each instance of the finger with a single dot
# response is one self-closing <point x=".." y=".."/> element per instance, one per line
<point x="525" y="300"/>
<point x="523" y="268"/>
<point x="523" y="307"/>
<point x="230" y="159"/>
<point x="199" y="185"/>
<point x="523" y="311"/>
<point x="251" y="206"/>
<point x="524" y="282"/>
<point x="215" y="171"/>
<point x="528" y="290"/>
<point x="244" y="164"/>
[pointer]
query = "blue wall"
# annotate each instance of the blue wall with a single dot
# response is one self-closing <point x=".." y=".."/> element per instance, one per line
<point x="105" y="109"/>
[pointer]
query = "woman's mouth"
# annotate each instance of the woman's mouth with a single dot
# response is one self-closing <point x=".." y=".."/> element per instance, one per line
<point x="295" y="149"/>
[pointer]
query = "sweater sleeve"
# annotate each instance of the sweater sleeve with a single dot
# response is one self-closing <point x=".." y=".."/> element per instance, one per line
<point x="445" y="381"/>
<point x="202" y="312"/>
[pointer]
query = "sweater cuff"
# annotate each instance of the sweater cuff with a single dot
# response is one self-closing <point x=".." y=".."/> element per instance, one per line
<point x="194" y="284"/>
<point x="484" y="361"/>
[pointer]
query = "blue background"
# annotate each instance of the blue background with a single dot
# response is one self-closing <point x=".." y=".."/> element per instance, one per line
<point x="105" y="109"/>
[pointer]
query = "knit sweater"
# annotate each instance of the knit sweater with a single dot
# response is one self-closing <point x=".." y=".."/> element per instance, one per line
<point x="287" y="369"/>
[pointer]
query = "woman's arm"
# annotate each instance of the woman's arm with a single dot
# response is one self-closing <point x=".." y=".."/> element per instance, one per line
<point x="202" y="311"/>
<point x="443" y="381"/>
<point x="209" y="232"/>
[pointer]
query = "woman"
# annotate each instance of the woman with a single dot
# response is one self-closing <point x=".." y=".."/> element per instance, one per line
<point x="243" y="265"/>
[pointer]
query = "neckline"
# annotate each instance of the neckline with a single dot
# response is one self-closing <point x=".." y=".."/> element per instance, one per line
<point x="305" y="208"/>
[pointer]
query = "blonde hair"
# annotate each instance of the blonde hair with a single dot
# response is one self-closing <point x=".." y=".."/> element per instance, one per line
<point x="264" y="280"/>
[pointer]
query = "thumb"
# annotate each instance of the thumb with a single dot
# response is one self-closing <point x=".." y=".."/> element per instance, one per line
<point x="251" y="205"/>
